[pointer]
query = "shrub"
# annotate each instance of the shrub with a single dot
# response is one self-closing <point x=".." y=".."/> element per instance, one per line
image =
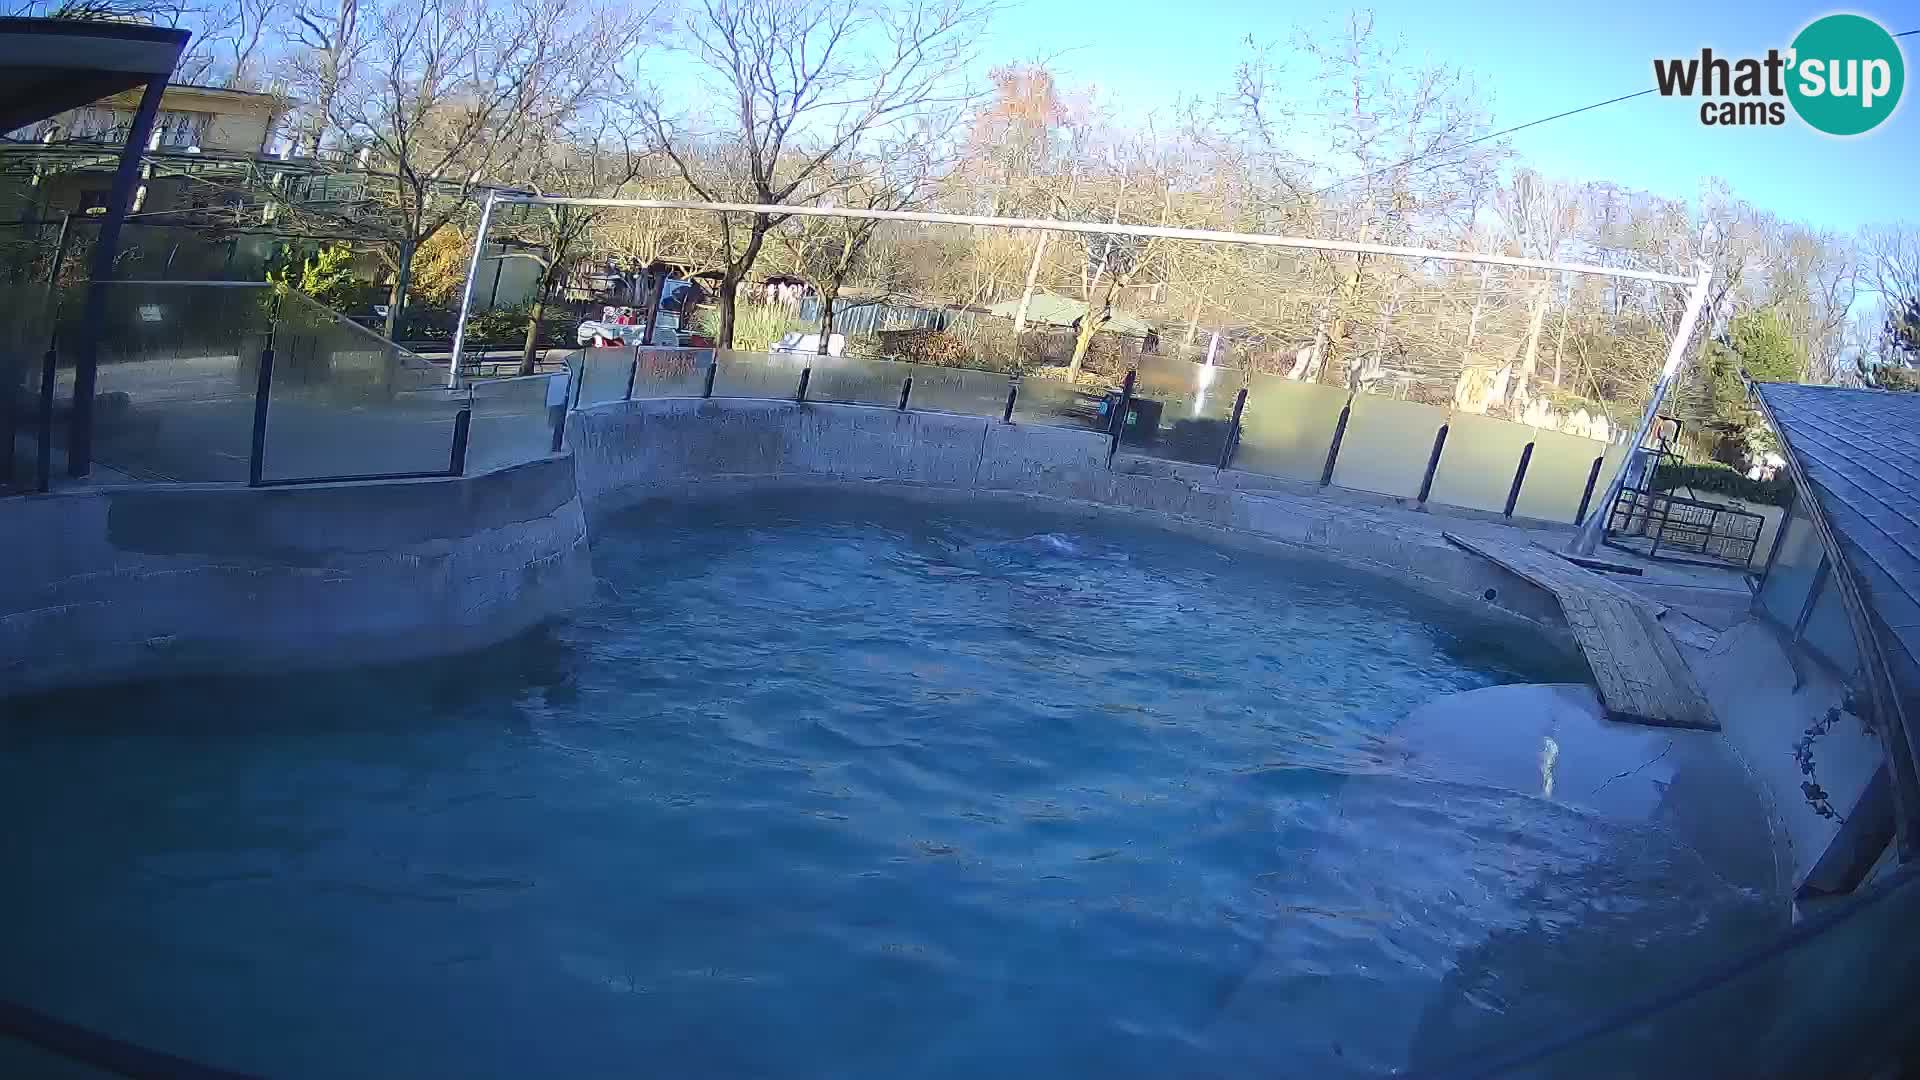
<point x="326" y="276"/>
<point x="756" y="327"/>
<point x="1715" y="478"/>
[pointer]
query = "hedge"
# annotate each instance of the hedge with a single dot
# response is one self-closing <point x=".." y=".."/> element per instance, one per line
<point x="1711" y="477"/>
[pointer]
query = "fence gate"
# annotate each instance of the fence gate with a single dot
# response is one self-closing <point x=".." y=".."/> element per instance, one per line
<point x="1662" y="525"/>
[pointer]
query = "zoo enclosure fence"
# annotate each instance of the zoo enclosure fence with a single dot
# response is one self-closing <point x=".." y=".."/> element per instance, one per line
<point x="1174" y="410"/>
<point x="240" y="382"/>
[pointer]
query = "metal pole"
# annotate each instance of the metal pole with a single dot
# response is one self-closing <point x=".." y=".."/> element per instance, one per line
<point x="466" y="293"/>
<point x="262" y="397"/>
<point x="1233" y="426"/>
<point x="1102" y="228"/>
<point x="86" y="357"/>
<point x="1587" y="540"/>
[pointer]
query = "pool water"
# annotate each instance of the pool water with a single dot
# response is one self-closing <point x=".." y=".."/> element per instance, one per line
<point x="838" y="787"/>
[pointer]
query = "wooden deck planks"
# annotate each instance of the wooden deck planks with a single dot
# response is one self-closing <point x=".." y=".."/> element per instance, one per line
<point x="1640" y="673"/>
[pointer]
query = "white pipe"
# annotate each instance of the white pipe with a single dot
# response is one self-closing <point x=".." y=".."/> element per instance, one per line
<point x="466" y="293"/>
<point x="1101" y="228"/>
<point x="1594" y="529"/>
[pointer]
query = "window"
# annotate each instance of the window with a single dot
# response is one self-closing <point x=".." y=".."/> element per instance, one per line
<point x="172" y="130"/>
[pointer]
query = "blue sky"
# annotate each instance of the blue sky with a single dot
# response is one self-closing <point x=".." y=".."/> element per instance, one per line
<point x="1534" y="59"/>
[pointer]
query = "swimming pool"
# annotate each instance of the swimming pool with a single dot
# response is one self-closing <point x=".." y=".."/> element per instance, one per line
<point x="842" y="786"/>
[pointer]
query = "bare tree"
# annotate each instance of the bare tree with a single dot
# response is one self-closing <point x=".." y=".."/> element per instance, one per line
<point x="590" y="160"/>
<point x="830" y="252"/>
<point x="439" y="95"/>
<point x="805" y="83"/>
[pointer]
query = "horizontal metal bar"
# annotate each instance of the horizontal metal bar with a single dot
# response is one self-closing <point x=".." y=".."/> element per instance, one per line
<point x="184" y="282"/>
<point x="1104" y="228"/>
<point x="437" y="474"/>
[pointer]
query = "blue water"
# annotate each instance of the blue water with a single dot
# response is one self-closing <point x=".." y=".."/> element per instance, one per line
<point x="837" y="788"/>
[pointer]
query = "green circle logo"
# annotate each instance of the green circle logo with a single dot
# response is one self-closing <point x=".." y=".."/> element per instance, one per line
<point x="1846" y="74"/>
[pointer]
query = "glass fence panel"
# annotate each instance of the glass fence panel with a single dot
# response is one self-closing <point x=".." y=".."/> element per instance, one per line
<point x="1387" y="445"/>
<point x="1610" y="464"/>
<point x="1479" y="462"/>
<point x="1557" y="476"/>
<point x="1288" y="426"/>
<point x="1804" y="1007"/>
<point x="1828" y="632"/>
<point x="850" y="380"/>
<point x="178" y="368"/>
<point x="512" y="420"/>
<point x="960" y="390"/>
<point x="26" y="331"/>
<point x="601" y="374"/>
<point x="758" y="375"/>
<point x="347" y="403"/>
<point x="1796" y="560"/>
<point x="1049" y="401"/>
<point x="1182" y="410"/>
<point x="664" y="373"/>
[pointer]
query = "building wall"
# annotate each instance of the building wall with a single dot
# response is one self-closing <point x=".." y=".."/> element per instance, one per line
<point x="215" y="120"/>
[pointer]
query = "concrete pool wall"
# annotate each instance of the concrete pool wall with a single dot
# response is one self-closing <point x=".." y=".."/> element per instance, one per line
<point x="113" y="583"/>
<point x="116" y="583"/>
<point x="629" y="452"/>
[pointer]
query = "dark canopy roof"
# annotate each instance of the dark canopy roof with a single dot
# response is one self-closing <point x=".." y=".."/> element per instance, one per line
<point x="1860" y="453"/>
<point x="48" y="66"/>
<point x="1856" y="453"/>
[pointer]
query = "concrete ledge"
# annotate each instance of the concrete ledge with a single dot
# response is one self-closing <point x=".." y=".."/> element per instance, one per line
<point x="108" y="584"/>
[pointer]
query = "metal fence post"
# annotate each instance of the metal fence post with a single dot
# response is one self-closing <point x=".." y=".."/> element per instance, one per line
<point x="1233" y="429"/>
<point x="1333" y="448"/>
<point x="805" y="374"/>
<point x="43" y="469"/>
<point x="1433" y="463"/>
<point x="633" y="370"/>
<point x="656" y="286"/>
<point x="713" y="366"/>
<point x="1519" y="478"/>
<point x="1586" y="497"/>
<point x="906" y="391"/>
<point x="262" y="391"/>
<point x="462" y="422"/>
<point x="262" y="396"/>
<point x="1013" y="395"/>
<point x="1117" y="423"/>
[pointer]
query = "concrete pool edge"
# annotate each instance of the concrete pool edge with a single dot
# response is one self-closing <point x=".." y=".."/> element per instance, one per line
<point x="111" y="584"/>
<point x="628" y="453"/>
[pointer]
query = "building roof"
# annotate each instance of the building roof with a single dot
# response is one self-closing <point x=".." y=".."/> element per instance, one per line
<point x="48" y="66"/>
<point x="1051" y="310"/>
<point x="1859" y="451"/>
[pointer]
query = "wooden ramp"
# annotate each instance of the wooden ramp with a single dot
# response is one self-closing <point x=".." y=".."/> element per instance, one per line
<point x="1641" y="675"/>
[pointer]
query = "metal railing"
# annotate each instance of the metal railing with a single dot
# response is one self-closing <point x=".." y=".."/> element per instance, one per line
<point x="1175" y="410"/>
